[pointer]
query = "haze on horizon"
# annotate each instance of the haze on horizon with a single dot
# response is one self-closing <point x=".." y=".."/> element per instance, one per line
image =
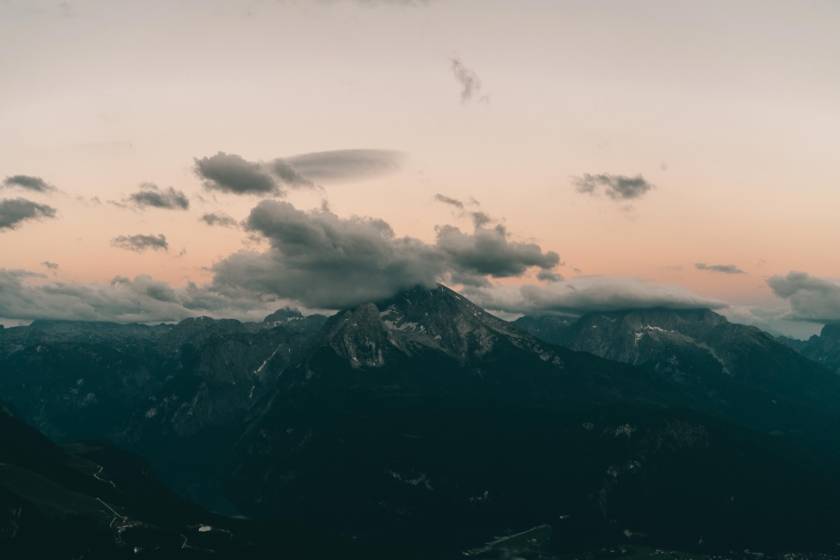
<point x="161" y="159"/>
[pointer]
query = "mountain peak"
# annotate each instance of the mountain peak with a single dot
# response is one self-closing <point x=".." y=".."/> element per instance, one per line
<point x="283" y="315"/>
<point x="414" y="320"/>
<point x="831" y="330"/>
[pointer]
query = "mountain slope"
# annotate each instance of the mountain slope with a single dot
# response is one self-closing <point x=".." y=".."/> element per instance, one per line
<point x="735" y="371"/>
<point x="173" y="393"/>
<point x="426" y="422"/>
<point x="823" y="348"/>
<point x="95" y="502"/>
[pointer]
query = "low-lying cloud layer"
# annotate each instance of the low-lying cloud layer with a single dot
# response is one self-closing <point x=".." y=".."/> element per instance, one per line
<point x="29" y="183"/>
<point x="617" y="187"/>
<point x="811" y="298"/>
<point x="15" y="211"/>
<point x="586" y="295"/>
<point x="142" y="299"/>
<point x="152" y="196"/>
<point x="722" y="268"/>
<point x="140" y="242"/>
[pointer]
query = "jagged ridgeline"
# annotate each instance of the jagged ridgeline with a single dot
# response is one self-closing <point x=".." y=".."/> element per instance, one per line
<point x="426" y="427"/>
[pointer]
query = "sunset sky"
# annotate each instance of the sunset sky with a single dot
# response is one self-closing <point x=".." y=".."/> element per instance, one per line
<point x="657" y="147"/>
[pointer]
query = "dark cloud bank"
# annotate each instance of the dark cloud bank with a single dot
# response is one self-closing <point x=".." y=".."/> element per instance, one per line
<point x="323" y="260"/>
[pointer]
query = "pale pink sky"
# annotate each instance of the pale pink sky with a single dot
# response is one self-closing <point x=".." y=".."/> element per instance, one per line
<point x="729" y="109"/>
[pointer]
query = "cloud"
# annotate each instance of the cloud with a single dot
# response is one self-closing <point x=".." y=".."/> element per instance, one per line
<point x="810" y="298"/>
<point x="219" y="219"/>
<point x="151" y="196"/>
<point x="722" y="268"/>
<point x="28" y="182"/>
<point x="454" y="202"/>
<point x="139" y="243"/>
<point x="233" y="174"/>
<point x="617" y="187"/>
<point x="469" y="81"/>
<point x="490" y="252"/>
<point x="23" y="296"/>
<point x="322" y="260"/>
<point x="549" y="276"/>
<point x="478" y="217"/>
<point x="344" y="165"/>
<point x="15" y="211"/>
<point x="49" y="265"/>
<point x="286" y="173"/>
<point x="585" y="295"/>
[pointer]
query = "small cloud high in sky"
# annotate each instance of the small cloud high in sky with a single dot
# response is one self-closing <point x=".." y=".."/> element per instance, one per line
<point x="329" y="151"/>
<point x="721" y="268"/>
<point x="617" y="187"/>
<point x="15" y="211"/>
<point x="141" y="242"/>
<point x="151" y="196"/>
<point x="28" y="182"/>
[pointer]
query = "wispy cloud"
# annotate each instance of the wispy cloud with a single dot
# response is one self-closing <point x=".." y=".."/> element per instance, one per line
<point x="139" y="243"/>
<point x="617" y="187"/>
<point x="722" y="268"/>
<point x="468" y="80"/>
<point x="152" y="196"/>
<point x="219" y="219"/>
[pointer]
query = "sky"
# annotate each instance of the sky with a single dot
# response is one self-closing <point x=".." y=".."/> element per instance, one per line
<point x="153" y="155"/>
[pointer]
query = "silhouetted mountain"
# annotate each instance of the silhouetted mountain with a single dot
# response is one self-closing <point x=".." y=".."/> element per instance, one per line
<point x="425" y="425"/>
<point x="823" y="348"/>
<point x="92" y="502"/>
<point x="95" y="502"/>
<point x="734" y="371"/>
<point x="427" y="422"/>
<point x="175" y="393"/>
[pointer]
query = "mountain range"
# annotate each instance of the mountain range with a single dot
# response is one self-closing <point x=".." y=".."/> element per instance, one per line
<point x="823" y="348"/>
<point x="425" y="426"/>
